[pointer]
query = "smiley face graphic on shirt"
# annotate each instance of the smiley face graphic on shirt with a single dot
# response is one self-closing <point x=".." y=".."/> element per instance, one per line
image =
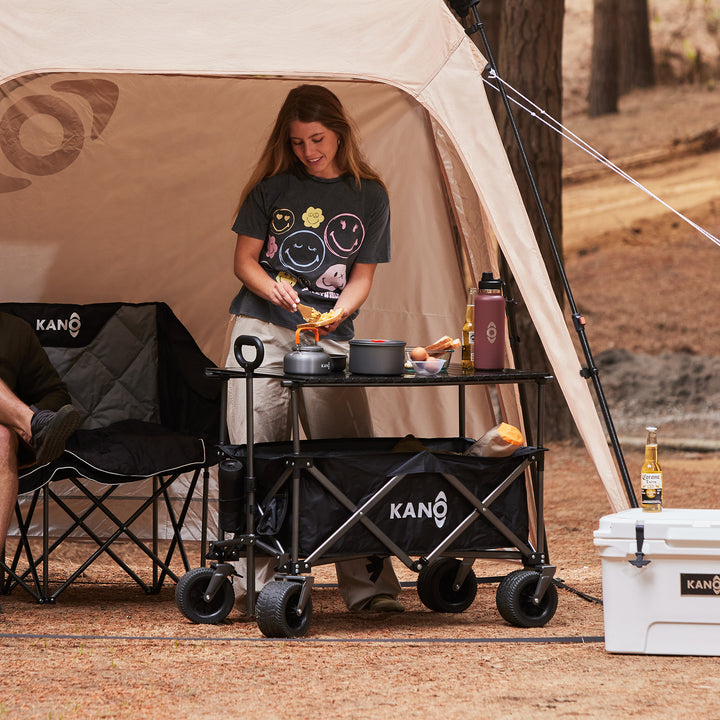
<point x="282" y="220"/>
<point x="313" y="217"/>
<point x="344" y="234"/>
<point x="333" y="279"/>
<point x="302" y="252"/>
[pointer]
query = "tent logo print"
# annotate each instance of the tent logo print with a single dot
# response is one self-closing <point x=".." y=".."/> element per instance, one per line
<point x="100" y="97"/>
<point x="435" y="509"/>
<point x="72" y="325"/>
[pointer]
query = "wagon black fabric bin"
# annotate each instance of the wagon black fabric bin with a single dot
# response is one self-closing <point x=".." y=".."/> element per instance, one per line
<point x="418" y="513"/>
<point x="150" y="414"/>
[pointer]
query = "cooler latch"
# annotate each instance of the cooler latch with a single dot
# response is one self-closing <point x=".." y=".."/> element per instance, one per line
<point x="639" y="560"/>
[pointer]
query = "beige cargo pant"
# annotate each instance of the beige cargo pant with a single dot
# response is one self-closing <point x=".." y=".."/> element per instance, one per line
<point x="324" y="413"/>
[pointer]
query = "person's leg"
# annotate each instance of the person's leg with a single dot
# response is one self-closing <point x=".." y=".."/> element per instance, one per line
<point x="345" y="412"/>
<point x="369" y="584"/>
<point x="8" y="478"/>
<point x="14" y="413"/>
<point x="271" y="418"/>
<point x="271" y="412"/>
<point x="45" y="431"/>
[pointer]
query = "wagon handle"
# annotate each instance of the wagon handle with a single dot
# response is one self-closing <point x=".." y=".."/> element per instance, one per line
<point x="249" y="341"/>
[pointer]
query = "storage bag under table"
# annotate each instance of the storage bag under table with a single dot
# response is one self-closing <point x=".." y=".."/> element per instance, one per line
<point x="438" y="489"/>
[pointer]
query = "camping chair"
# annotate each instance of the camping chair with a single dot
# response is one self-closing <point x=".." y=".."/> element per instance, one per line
<point x="151" y="415"/>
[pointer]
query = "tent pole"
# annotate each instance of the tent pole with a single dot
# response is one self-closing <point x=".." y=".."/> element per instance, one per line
<point x="591" y="371"/>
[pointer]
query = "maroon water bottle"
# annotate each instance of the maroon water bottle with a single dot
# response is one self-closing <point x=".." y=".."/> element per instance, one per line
<point x="489" y="324"/>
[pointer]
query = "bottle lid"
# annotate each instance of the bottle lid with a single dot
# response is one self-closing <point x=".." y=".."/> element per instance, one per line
<point x="487" y="282"/>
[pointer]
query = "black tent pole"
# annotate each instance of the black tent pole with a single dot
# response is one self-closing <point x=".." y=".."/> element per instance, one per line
<point x="591" y="371"/>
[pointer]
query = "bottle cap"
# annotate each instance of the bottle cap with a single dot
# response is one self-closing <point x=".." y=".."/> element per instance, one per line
<point x="487" y="282"/>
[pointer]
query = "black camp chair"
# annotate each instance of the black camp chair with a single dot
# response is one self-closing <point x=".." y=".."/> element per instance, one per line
<point x="151" y="415"/>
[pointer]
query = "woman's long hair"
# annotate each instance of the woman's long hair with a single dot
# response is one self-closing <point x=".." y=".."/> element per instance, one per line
<point x="311" y="103"/>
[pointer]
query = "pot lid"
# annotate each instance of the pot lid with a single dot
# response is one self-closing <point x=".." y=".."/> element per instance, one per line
<point x="379" y="343"/>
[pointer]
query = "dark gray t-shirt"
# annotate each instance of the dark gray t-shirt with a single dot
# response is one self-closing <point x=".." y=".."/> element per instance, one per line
<point x="314" y="231"/>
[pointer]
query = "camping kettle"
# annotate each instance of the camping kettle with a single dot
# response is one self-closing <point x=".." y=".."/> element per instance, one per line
<point x="307" y="359"/>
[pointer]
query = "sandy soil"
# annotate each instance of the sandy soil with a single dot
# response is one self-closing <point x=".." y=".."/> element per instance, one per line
<point x="646" y="282"/>
<point x="105" y="650"/>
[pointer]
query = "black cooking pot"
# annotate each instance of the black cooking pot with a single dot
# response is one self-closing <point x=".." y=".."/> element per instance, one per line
<point x="377" y="357"/>
<point x="307" y="359"/>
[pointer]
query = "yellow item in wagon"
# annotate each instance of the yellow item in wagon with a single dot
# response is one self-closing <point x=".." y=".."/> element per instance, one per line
<point x="500" y="441"/>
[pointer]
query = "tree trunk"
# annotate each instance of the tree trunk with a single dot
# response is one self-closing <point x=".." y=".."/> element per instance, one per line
<point x="526" y="43"/>
<point x="605" y="63"/>
<point x="530" y="59"/>
<point x="637" y="66"/>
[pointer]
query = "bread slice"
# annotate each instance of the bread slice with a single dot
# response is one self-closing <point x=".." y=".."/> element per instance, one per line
<point x="442" y="344"/>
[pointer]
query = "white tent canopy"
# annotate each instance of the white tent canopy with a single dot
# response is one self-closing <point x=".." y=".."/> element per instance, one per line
<point x="128" y="130"/>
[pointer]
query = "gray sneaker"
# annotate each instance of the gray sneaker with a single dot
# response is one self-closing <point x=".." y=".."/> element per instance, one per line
<point x="50" y="430"/>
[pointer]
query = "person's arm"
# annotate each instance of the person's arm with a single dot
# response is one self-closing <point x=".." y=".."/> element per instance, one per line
<point x="250" y="273"/>
<point x="39" y="384"/>
<point x="354" y="293"/>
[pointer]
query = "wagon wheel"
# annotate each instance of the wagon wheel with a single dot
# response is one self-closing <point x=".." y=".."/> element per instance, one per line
<point x="189" y="597"/>
<point x="435" y="587"/>
<point x="276" y="610"/>
<point x="514" y="600"/>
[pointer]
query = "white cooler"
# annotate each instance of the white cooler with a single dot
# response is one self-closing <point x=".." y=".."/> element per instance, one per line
<point x="671" y="604"/>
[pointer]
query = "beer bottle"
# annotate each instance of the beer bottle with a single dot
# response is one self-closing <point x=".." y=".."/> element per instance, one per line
<point x="651" y="475"/>
<point x="468" y="332"/>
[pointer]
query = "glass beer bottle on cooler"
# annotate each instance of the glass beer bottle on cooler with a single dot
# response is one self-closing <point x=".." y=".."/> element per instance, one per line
<point x="651" y="475"/>
<point x="489" y="324"/>
<point x="468" y="332"/>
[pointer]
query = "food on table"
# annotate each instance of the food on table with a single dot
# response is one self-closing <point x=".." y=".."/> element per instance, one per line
<point x="443" y="344"/>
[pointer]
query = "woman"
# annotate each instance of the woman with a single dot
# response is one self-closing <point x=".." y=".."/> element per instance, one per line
<point x="313" y="223"/>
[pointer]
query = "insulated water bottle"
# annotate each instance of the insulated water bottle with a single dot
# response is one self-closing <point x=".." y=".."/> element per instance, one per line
<point x="231" y="505"/>
<point x="489" y="324"/>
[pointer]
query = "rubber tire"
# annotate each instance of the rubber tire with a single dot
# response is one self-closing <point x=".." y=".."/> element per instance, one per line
<point x="189" y="597"/>
<point x="276" y="610"/>
<point x="435" y="590"/>
<point x="514" y="600"/>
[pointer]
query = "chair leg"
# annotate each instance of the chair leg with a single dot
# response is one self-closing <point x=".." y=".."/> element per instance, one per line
<point x="178" y="525"/>
<point x="204" y="524"/>
<point x="10" y="575"/>
<point x="80" y="520"/>
<point x="155" y="532"/>
<point x="104" y="546"/>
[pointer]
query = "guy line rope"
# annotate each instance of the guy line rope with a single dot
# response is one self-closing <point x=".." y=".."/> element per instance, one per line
<point x="541" y="115"/>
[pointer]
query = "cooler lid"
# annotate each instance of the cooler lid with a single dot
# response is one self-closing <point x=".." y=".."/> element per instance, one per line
<point x="669" y="524"/>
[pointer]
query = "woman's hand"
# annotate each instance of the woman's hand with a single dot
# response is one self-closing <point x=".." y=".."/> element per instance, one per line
<point x="333" y="326"/>
<point x="284" y="295"/>
<point x="248" y="270"/>
<point x="354" y="293"/>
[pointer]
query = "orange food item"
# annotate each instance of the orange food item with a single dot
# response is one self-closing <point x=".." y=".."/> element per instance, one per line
<point x="510" y="434"/>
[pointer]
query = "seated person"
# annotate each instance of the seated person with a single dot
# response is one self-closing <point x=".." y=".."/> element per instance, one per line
<point x="36" y="417"/>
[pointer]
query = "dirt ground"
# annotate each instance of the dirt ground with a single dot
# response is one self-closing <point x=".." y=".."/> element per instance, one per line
<point x="647" y="283"/>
